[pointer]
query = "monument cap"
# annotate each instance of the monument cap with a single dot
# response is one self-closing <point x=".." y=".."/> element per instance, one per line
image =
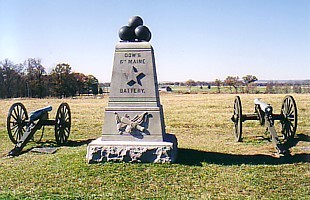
<point x="126" y="33"/>
<point x="135" y="21"/>
<point x="135" y="31"/>
<point x="143" y="33"/>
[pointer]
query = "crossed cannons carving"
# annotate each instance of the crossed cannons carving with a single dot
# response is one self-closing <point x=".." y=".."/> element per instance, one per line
<point x="127" y="125"/>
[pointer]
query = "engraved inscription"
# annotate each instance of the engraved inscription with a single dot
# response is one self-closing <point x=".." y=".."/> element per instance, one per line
<point x="132" y="61"/>
<point x="132" y="55"/>
<point x="133" y="58"/>
<point x="131" y="90"/>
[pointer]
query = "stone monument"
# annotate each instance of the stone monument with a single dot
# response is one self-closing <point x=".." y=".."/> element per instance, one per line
<point x="134" y="129"/>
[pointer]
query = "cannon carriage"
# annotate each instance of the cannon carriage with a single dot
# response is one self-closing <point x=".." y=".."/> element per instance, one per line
<point x="21" y="127"/>
<point x="264" y="114"/>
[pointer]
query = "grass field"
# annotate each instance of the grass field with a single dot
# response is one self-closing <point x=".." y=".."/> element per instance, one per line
<point x="210" y="165"/>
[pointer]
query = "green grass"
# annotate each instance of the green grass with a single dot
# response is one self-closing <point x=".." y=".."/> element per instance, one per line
<point x="210" y="164"/>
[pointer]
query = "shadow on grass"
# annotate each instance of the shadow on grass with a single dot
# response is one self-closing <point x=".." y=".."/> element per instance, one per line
<point x="78" y="143"/>
<point x="53" y="144"/>
<point x="300" y="137"/>
<point x="196" y="157"/>
<point x="70" y="143"/>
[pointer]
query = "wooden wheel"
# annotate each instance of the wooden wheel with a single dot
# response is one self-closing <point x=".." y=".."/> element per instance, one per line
<point x="63" y="124"/>
<point x="237" y="119"/>
<point x="16" y="122"/>
<point x="289" y="117"/>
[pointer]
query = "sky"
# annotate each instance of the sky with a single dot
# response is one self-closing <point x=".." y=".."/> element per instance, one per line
<point x="201" y="40"/>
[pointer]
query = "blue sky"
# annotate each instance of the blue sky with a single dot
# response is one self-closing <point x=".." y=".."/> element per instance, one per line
<point x="195" y="39"/>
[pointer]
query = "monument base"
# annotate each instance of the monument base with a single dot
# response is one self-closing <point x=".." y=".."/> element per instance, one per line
<point x="99" y="151"/>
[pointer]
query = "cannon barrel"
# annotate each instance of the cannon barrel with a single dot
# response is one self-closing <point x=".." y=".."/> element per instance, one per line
<point x="264" y="106"/>
<point x="35" y="115"/>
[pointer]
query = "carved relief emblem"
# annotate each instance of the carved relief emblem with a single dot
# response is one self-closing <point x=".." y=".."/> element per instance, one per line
<point x="127" y="125"/>
<point x="135" y="77"/>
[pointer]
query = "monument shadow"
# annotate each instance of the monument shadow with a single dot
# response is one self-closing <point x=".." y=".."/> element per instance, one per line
<point x="197" y="157"/>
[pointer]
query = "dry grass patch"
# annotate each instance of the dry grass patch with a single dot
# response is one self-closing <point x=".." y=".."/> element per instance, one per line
<point x="210" y="161"/>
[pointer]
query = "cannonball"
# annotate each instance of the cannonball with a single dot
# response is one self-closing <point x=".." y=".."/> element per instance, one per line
<point x="126" y="33"/>
<point x="135" y="21"/>
<point x="143" y="33"/>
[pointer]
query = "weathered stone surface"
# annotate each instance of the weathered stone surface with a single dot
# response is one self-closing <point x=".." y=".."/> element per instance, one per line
<point x="133" y="129"/>
<point x="134" y="91"/>
<point x="127" y="151"/>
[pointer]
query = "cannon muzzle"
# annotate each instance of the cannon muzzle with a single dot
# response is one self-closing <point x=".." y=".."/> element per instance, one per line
<point x="267" y="108"/>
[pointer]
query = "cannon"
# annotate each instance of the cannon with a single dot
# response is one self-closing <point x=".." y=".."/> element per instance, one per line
<point x="264" y="114"/>
<point x="21" y="128"/>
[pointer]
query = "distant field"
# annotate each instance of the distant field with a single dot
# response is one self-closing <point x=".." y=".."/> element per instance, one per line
<point x="227" y="90"/>
<point x="210" y="165"/>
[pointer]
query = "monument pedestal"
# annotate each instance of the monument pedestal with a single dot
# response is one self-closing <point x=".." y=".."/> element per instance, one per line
<point x="130" y="151"/>
<point x="134" y="129"/>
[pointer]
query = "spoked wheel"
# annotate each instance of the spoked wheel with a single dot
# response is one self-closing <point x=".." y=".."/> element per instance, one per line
<point x="16" y="122"/>
<point x="237" y="119"/>
<point x="63" y="124"/>
<point x="289" y="113"/>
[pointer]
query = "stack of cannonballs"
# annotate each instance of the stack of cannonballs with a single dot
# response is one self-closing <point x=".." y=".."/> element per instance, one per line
<point x="135" y="31"/>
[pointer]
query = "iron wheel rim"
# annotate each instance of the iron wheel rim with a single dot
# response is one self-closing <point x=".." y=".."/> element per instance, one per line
<point x="289" y="116"/>
<point x="63" y="124"/>
<point x="237" y="119"/>
<point x="16" y="122"/>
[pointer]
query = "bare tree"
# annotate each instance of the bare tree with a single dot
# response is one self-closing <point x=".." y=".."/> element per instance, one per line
<point x="270" y="88"/>
<point x="189" y="83"/>
<point x="218" y="83"/>
<point x="30" y="79"/>
<point x="233" y="81"/>
<point x="35" y="73"/>
<point x="10" y="79"/>
<point x="248" y="80"/>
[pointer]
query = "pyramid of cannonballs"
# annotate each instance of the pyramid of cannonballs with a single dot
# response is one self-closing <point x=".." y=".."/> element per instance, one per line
<point x="135" y="31"/>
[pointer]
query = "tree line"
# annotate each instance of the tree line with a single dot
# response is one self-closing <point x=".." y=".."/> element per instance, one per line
<point x="230" y="81"/>
<point x="30" y="79"/>
<point x="247" y="84"/>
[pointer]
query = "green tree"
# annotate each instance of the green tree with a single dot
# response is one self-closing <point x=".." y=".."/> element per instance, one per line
<point x="67" y="83"/>
<point x="63" y="80"/>
<point x="93" y="83"/>
<point x="81" y="83"/>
